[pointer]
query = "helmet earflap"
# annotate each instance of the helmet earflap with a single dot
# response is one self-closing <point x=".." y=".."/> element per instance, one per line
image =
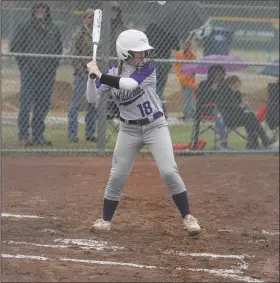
<point x="130" y="56"/>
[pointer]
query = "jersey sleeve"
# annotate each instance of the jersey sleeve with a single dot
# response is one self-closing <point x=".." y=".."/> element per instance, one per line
<point x="145" y="76"/>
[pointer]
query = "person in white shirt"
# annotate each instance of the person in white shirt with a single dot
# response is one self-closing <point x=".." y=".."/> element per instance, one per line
<point x="132" y="83"/>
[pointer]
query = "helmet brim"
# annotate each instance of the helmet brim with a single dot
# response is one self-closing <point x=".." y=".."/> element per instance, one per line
<point x="143" y="47"/>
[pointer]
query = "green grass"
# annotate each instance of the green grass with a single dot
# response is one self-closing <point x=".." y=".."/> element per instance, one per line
<point x="179" y="133"/>
<point x="58" y="134"/>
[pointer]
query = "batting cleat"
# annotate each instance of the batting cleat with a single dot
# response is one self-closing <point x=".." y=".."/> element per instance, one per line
<point x="100" y="225"/>
<point x="191" y="225"/>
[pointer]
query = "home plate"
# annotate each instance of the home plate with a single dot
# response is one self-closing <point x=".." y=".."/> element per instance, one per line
<point x="89" y="244"/>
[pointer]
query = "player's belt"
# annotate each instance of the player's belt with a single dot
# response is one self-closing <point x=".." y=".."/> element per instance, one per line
<point x="145" y="121"/>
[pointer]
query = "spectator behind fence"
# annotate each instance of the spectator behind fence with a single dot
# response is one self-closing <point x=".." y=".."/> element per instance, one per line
<point x="81" y="45"/>
<point x="187" y="82"/>
<point x="236" y="113"/>
<point x="207" y="95"/>
<point x="272" y="118"/>
<point x="38" y="35"/>
<point x="164" y="42"/>
<point x="117" y="26"/>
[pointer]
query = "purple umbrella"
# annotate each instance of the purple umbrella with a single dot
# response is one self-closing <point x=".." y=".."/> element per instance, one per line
<point x="203" y="68"/>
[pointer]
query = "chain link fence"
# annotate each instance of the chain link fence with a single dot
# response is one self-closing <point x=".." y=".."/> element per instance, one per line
<point x="43" y="74"/>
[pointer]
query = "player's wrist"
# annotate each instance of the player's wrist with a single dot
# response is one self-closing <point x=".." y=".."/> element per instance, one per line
<point x="109" y="80"/>
<point x="98" y="74"/>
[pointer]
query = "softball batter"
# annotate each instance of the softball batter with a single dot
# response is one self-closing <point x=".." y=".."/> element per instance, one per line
<point x="132" y="83"/>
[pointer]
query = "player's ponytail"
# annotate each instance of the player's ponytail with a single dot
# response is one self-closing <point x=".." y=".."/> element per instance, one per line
<point x="120" y="67"/>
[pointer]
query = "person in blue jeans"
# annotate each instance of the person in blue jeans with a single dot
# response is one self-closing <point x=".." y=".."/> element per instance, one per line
<point x="221" y="128"/>
<point x="81" y="46"/>
<point x="37" y="35"/>
<point x="79" y="89"/>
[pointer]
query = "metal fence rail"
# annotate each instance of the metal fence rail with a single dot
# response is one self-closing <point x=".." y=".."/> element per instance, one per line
<point x="45" y="96"/>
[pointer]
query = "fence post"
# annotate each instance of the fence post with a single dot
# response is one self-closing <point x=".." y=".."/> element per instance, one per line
<point x="105" y="53"/>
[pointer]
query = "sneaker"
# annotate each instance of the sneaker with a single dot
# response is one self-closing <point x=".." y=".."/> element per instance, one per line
<point x="274" y="146"/>
<point x="73" y="139"/>
<point x="270" y="142"/>
<point x="91" y="139"/>
<point x="42" y="142"/>
<point x="224" y="145"/>
<point x="100" y="225"/>
<point x="26" y="142"/>
<point x="191" y="225"/>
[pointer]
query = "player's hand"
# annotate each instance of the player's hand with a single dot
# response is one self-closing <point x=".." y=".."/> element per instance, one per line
<point x="93" y="69"/>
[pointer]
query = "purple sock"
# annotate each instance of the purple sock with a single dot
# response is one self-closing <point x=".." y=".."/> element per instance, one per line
<point x="109" y="208"/>
<point x="182" y="203"/>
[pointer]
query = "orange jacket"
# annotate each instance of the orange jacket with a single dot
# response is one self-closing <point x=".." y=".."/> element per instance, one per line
<point x="185" y="80"/>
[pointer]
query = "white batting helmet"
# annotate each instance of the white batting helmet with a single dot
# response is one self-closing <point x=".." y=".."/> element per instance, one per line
<point x="130" y="41"/>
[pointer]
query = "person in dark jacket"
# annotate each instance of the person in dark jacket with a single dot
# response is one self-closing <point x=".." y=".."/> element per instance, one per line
<point x="38" y="35"/>
<point x="117" y="26"/>
<point x="272" y="118"/>
<point x="236" y="113"/>
<point x="164" y="43"/>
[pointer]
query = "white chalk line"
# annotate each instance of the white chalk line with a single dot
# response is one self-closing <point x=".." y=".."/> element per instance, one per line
<point x="102" y="245"/>
<point x="226" y="273"/>
<point x="99" y="245"/>
<point x="236" y="273"/>
<point x="90" y="244"/>
<point x="99" y="262"/>
<point x="48" y="230"/>
<point x="263" y="232"/>
<point x="11" y="215"/>
<point x="72" y="243"/>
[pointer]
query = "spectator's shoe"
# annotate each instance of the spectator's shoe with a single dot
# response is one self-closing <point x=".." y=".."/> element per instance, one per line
<point x="191" y="225"/>
<point x="274" y="146"/>
<point x="270" y="141"/>
<point x="182" y="118"/>
<point x="73" y="139"/>
<point x="42" y="142"/>
<point x="91" y="139"/>
<point x="101" y="225"/>
<point x="26" y="142"/>
<point x="224" y="146"/>
<point x="253" y="146"/>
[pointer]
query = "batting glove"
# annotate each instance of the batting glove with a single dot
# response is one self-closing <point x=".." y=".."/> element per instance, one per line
<point x="93" y="69"/>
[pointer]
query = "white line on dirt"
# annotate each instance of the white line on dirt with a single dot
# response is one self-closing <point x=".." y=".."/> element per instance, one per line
<point x="11" y="215"/>
<point x="72" y="243"/>
<point x="18" y="256"/>
<point x="20" y="216"/>
<point x="242" y="266"/>
<point x="99" y="245"/>
<point x="48" y="230"/>
<point x="236" y="273"/>
<point x="89" y="244"/>
<point x="36" y="245"/>
<point x="263" y="232"/>
<point x="99" y="262"/>
<point x="109" y="263"/>
<point x="226" y="273"/>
